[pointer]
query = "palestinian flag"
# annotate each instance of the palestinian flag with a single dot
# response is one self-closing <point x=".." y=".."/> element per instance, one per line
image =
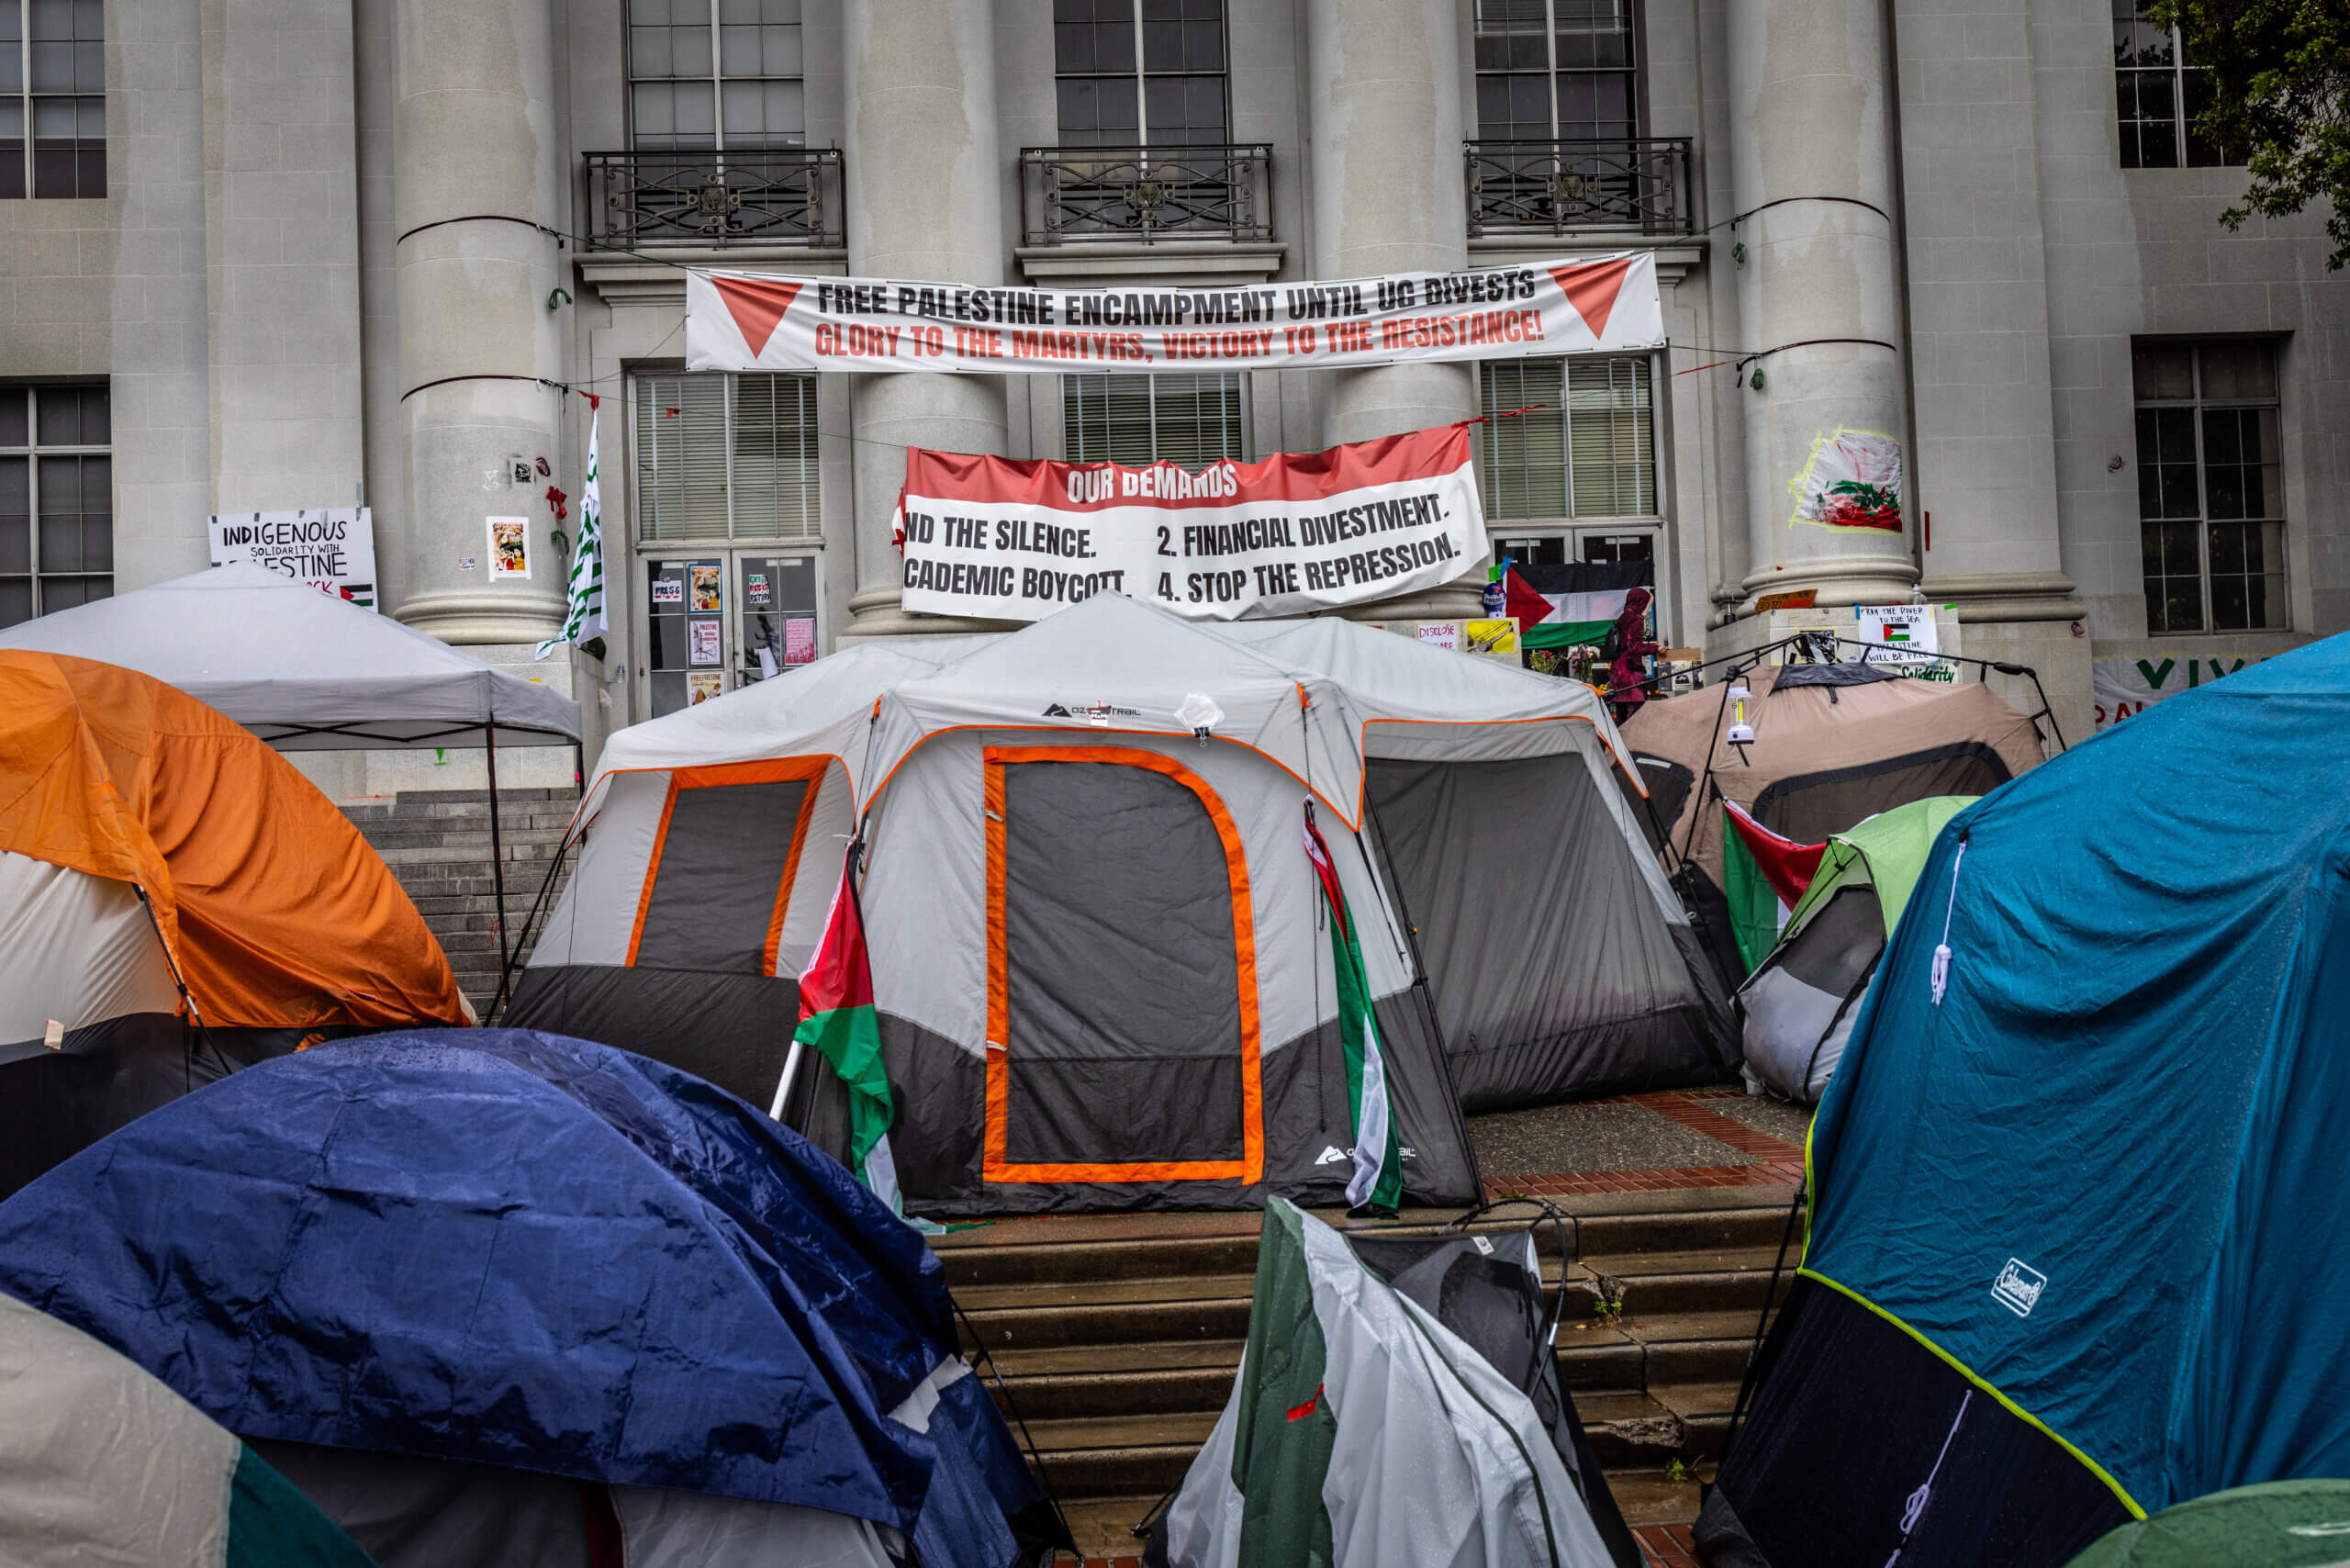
<point x="1377" y="1180"/>
<point x="1763" y="876"/>
<point x="837" y="1018"/>
<point x="1560" y="620"/>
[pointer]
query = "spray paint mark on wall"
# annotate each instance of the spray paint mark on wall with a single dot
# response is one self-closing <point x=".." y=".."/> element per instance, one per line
<point x="1852" y="479"/>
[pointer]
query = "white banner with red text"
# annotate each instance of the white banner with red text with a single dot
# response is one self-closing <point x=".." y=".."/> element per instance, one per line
<point x="761" y="321"/>
<point x="1015" y="541"/>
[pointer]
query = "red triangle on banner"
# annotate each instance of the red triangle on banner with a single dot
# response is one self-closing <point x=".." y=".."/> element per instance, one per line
<point x="1592" y="289"/>
<point x="756" y="304"/>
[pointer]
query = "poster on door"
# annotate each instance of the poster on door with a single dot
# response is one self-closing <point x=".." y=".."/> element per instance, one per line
<point x="702" y="642"/>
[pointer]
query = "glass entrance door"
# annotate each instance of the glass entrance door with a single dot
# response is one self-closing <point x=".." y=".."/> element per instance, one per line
<point x="719" y="619"/>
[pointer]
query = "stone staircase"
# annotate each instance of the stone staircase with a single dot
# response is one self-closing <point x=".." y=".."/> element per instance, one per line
<point x="437" y="843"/>
<point x="1117" y="1337"/>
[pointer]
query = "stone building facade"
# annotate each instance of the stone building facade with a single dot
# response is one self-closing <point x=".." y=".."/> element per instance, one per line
<point x="261" y="254"/>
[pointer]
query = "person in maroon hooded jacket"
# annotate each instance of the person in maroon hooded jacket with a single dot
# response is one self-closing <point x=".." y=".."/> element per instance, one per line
<point x="1627" y="649"/>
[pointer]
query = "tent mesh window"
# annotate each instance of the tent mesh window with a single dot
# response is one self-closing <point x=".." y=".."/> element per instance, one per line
<point x="1810" y="806"/>
<point x="1588" y="450"/>
<point x="1189" y="421"/>
<point x="726" y="457"/>
<point x="1122" y="981"/>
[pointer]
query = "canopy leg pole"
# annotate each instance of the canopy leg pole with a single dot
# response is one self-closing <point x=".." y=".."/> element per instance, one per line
<point x="497" y="872"/>
<point x="783" y="1084"/>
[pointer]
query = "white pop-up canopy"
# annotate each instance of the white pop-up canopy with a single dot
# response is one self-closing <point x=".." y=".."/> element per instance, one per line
<point x="303" y="671"/>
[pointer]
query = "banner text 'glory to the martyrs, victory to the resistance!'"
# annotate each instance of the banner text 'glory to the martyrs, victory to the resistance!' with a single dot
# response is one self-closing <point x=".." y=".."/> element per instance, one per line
<point x="746" y="321"/>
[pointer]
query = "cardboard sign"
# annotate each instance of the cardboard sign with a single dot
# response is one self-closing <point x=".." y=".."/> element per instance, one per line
<point x="1015" y="541"/>
<point x="1898" y="633"/>
<point x="332" y="549"/>
<point x="740" y="321"/>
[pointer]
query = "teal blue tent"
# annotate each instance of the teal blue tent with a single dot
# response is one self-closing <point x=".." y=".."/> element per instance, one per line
<point x="2080" y="1242"/>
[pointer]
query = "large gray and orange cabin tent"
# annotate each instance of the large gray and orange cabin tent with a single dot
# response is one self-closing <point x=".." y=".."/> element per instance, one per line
<point x="175" y="901"/>
<point x="1098" y="951"/>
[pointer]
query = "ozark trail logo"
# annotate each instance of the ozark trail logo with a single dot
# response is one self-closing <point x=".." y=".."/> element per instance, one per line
<point x="1331" y="1154"/>
<point x="1091" y="713"/>
<point x="2018" y="1286"/>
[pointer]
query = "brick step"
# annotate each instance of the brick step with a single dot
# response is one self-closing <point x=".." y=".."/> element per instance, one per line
<point x="1227" y="1244"/>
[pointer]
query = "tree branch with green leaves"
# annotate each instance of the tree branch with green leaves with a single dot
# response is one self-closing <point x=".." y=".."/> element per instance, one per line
<point x="2279" y="74"/>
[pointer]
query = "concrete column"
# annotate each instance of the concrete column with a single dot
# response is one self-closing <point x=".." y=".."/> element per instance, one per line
<point x="1384" y="113"/>
<point x="475" y="140"/>
<point x="925" y="198"/>
<point x="1811" y="133"/>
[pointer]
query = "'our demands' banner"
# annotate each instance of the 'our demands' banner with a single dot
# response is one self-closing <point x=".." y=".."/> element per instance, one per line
<point x="758" y="321"/>
<point x="1015" y="541"/>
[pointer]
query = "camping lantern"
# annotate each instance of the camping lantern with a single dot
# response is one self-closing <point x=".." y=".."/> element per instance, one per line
<point x="1741" y="732"/>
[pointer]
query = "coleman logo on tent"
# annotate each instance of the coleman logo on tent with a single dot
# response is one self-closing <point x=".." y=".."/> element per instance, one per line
<point x="2017" y="1287"/>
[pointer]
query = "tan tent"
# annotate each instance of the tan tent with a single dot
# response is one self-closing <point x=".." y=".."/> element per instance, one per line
<point x="1833" y="743"/>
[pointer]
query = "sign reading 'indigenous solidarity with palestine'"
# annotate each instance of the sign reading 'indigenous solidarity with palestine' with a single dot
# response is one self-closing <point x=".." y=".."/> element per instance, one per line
<point x="759" y="321"/>
<point x="1015" y="541"/>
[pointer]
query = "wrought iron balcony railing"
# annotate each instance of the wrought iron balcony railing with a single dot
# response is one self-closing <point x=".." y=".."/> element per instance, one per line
<point x="1628" y="185"/>
<point x="1142" y="194"/>
<point x="760" y="196"/>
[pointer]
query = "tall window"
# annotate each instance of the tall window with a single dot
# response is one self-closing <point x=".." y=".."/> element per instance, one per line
<point x="1167" y="94"/>
<point x="1589" y="450"/>
<point x="726" y="457"/>
<point x="1550" y="70"/>
<point x="704" y="75"/>
<point x="56" y="499"/>
<point x="54" y="79"/>
<point x="2158" y="94"/>
<point x="1188" y="419"/>
<point x="2210" y="495"/>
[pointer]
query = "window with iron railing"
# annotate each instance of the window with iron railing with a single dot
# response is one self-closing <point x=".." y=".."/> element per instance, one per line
<point x="1144" y="121"/>
<point x="1558" y="143"/>
<point x="718" y="132"/>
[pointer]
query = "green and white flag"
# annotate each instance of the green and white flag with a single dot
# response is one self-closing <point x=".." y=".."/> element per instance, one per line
<point x="1377" y="1180"/>
<point x="586" y="617"/>
<point x="1361" y="1430"/>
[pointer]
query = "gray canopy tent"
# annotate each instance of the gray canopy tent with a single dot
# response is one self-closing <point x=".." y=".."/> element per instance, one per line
<point x="310" y="673"/>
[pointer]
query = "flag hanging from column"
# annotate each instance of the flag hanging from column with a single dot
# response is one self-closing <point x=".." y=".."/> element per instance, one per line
<point x="1378" y="1180"/>
<point x="586" y="618"/>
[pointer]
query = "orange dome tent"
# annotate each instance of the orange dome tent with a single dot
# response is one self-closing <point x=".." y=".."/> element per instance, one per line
<point x="154" y="854"/>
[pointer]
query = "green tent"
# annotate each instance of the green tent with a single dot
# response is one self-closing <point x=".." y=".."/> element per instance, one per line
<point x="2284" y="1524"/>
<point x="1799" y="1005"/>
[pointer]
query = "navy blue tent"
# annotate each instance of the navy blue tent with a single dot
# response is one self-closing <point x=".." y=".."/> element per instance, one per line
<point x="507" y="1249"/>
<point x="2081" y="1247"/>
